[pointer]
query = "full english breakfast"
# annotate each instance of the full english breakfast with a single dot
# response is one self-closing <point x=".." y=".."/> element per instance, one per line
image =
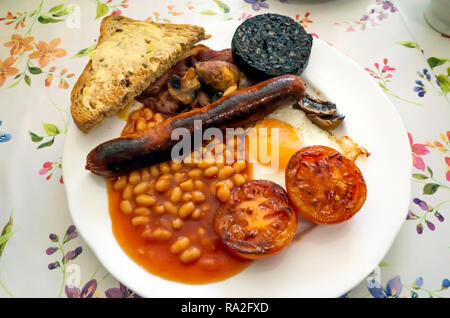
<point x="203" y="216"/>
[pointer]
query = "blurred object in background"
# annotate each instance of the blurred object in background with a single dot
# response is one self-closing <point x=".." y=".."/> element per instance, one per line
<point x="437" y="14"/>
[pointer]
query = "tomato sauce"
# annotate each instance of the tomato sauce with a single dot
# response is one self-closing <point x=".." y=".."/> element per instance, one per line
<point x="155" y="256"/>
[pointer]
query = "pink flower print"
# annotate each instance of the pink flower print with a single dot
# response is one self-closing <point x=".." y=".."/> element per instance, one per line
<point x="447" y="174"/>
<point x="387" y="68"/>
<point x="417" y="151"/>
<point x="49" y="168"/>
<point x="244" y="16"/>
<point x="46" y="167"/>
<point x="382" y="75"/>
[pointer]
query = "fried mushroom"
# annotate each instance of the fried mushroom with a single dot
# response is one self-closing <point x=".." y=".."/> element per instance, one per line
<point x="219" y="75"/>
<point x="184" y="89"/>
<point x="327" y="122"/>
<point x="316" y="106"/>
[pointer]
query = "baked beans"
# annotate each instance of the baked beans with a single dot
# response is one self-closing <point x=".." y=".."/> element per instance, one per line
<point x="180" y="245"/>
<point x="145" y="199"/>
<point x="176" y="194"/>
<point x="126" y="207"/>
<point x="120" y="183"/>
<point x="162" y="234"/>
<point x="170" y="206"/>
<point x="134" y="177"/>
<point x="177" y="223"/>
<point x="191" y="254"/>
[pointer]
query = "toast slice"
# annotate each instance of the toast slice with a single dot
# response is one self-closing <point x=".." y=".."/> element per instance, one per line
<point x="129" y="56"/>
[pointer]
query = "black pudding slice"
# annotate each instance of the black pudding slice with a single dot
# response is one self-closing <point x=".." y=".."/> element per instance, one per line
<point x="269" y="45"/>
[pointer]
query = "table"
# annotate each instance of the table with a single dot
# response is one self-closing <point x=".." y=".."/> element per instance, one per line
<point x="42" y="50"/>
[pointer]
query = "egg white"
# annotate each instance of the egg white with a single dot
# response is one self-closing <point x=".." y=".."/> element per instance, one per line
<point x="309" y="135"/>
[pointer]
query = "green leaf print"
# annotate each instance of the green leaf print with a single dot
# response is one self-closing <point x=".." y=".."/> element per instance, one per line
<point x="102" y="9"/>
<point x="430" y="188"/>
<point x="46" y="144"/>
<point x="444" y="83"/>
<point x="6" y="234"/>
<point x="222" y="6"/>
<point x="56" y="8"/>
<point x="34" y="137"/>
<point x="27" y="80"/>
<point x="46" y="19"/>
<point x="85" y="51"/>
<point x="430" y="171"/>
<point x="34" y="70"/>
<point x="434" y="61"/>
<point x="419" y="176"/>
<point x="208" y="12"/>
<point x="51" y="129"/>
<point x="409" y="44"/>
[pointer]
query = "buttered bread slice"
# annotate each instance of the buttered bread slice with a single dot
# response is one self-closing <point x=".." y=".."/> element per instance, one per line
<point x="129" y="56"/>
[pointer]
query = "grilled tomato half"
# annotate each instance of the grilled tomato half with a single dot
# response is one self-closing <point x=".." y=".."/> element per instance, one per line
<point x="257" y="221"/>
<point x="324" y="186"/>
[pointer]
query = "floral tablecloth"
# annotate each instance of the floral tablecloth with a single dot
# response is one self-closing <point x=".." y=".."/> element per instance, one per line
<point x="43" y="49"/>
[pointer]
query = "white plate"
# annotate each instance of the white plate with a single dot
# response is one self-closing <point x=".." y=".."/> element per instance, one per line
<point x="328" y="260"/>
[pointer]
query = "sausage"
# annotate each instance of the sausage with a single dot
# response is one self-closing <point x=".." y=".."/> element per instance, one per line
<point x="124" y="154"/>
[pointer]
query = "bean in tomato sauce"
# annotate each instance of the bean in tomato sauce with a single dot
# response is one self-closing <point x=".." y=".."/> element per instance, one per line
<point x="162" y="215"/>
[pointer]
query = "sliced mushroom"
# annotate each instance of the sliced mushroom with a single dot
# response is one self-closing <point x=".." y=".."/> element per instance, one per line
<point x="316" y="106"/>
<point x="219" y="75"/>
<point x="327" y="122"/>
<point x="184" y="89"/>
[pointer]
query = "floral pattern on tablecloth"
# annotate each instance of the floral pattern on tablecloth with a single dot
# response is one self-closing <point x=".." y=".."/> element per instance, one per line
<point x="41" y="50"/>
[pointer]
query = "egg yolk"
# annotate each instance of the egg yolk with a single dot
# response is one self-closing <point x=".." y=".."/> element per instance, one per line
<point x="264" y="145"/>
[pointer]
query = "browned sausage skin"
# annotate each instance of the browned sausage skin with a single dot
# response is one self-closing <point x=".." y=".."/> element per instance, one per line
<point x="121" y="155"/>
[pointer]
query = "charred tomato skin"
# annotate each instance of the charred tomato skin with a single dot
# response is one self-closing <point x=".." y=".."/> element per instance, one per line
<point x="257" y="221"/>
<point x="324" y="186"/>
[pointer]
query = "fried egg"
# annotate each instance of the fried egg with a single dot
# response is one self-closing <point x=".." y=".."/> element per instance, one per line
<point x="295" y="131"/>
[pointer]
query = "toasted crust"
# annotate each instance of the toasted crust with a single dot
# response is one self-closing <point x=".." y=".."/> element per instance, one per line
<point x="112" y="101"/>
